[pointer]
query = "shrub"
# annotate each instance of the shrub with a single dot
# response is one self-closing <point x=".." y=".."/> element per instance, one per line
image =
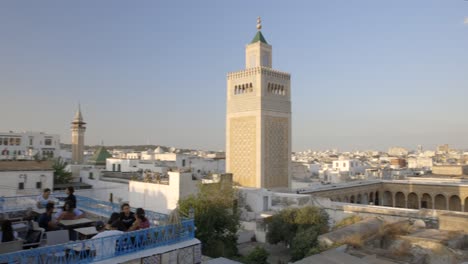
<point x="257" y="256"/>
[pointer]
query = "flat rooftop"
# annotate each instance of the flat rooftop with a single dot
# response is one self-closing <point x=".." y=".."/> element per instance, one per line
<point x="26" y="165"/>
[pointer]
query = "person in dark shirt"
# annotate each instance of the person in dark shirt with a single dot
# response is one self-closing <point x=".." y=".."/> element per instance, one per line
<point x="45" y="220"/>
<point x="126" y="216"/>
<point x="71" y="198"/>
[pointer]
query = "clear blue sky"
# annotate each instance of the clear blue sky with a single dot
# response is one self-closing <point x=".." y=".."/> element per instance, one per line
<point x="365" y="74"/>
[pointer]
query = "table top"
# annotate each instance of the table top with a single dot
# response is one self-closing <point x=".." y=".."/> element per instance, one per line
<point x="87" y="231"/>
<point x="79" y="221"/>
<point x="20" y="225"/>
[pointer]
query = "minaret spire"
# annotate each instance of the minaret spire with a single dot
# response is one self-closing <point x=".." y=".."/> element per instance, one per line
<point x="259" y="23"/>
<point x="78" y="115"/>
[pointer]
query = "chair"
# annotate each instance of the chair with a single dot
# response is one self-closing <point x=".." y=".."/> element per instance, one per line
<point x="12" y="246"/>
<point x="57" y="237"/>
<point x="35" y="226"/>
<point x="34" y="238"/>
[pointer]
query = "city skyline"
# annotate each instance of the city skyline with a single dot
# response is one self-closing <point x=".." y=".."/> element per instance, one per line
<point x="365" y="75"/>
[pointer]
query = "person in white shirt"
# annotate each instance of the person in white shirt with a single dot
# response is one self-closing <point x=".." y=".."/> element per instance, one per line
<point x="44" y="199"/>
<point x="105" y="246"/>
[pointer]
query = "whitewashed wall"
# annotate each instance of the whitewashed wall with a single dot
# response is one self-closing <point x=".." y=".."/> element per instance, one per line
<point x="10" y="181"/>
<point x="161" y="197"/>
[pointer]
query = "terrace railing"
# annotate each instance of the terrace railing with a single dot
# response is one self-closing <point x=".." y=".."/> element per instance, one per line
<point x="87" y="251"/>
<point x="98" y="207"/>
<point x="104" y="208"/>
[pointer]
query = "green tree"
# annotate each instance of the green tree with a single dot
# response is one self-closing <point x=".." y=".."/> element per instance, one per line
<point x="299" y="228"/>
<point x="216" y="218"/>
<point x="304" y="243"/>
<point x="257" y="256"/>
<point x="61" y="176"/>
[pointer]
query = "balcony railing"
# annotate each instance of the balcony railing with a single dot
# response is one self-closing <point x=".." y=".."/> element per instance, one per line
<point x="87" y="251"/>
<point x="101" y="208"/>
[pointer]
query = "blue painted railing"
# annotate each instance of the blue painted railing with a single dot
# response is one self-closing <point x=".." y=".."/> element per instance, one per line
<point x="101" y="208"/>
<point x="105" y="209"/>
<point x="87" y="251"/>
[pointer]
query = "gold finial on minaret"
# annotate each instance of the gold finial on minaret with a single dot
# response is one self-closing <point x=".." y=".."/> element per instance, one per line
<point x="259" y="23"/>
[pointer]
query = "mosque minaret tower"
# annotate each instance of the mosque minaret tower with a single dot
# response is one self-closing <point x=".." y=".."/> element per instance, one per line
<point x="258" y="120"/>
<point x="78" y="129"/>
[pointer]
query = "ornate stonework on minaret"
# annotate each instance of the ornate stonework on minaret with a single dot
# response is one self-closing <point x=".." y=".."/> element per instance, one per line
<point x="78" y="129"/>
<point x="258" y="121"/>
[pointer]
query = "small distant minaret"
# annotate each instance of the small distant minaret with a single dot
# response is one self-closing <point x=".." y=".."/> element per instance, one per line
<point x="78" y="129"/>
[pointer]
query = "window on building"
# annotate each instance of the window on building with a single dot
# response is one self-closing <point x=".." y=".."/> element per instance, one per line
<point x="31" y="141"/>
<point x="21" y="185"/>
<point x="38" y="185"/>
<point x="48" y="142"/>
<point x="344" y="164"/>
<point x="1" y="141"/>
<point x="113" y="167"/>
<point x="118" y="167"/>
<point x="91" y="176"/>
<point x="183" y="163"/>
<point x="5" y="141"/>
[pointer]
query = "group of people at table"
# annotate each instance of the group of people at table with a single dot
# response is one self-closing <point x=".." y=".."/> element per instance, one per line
<point x="118" y="223"/>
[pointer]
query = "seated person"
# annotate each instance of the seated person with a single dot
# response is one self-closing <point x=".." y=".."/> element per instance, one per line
<point x="68" y="213"/>
<point x="107" y="246"/>
<point x="45" y="220"/>
<point x="44" y="199"/>
<point x="71" y="198"/>
<point x="141" y="221"/>
<point x="114" y="217"/>
<point x="7" y="234"/>
<point x="126" y="216"/>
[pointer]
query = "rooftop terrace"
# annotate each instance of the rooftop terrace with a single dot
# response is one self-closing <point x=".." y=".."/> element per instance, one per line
<point x="112" y="249"/>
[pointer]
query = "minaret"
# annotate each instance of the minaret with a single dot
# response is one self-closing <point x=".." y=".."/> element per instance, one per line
<point x="78" y="129"/>
<point x="258" y="121"/>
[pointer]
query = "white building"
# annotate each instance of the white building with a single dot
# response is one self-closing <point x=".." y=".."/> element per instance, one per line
<point x="164" y="162"/>
<point x="162" y="197"/>
<point x="25" y="177"/>
<point x="420" y="162"/>
<point x="304" y="170"/>
<point x="26" y="145"/>
<point x="352" y="166"/>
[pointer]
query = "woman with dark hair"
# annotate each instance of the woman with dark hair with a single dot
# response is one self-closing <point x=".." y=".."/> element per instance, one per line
<point x="7" y="233"/>
<point x="141" y="221"/>
<point x="71" y="198"/>
<point x="127" y="217"/>
<point x="68" y="212"/>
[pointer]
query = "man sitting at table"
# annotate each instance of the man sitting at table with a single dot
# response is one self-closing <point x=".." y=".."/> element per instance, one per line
<point x="68" y="213"/>
<point x="107" y="246"/>
<point x="45" y="220"/>
<point x="44" y="199"/>
<point x="126" y="216"/>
